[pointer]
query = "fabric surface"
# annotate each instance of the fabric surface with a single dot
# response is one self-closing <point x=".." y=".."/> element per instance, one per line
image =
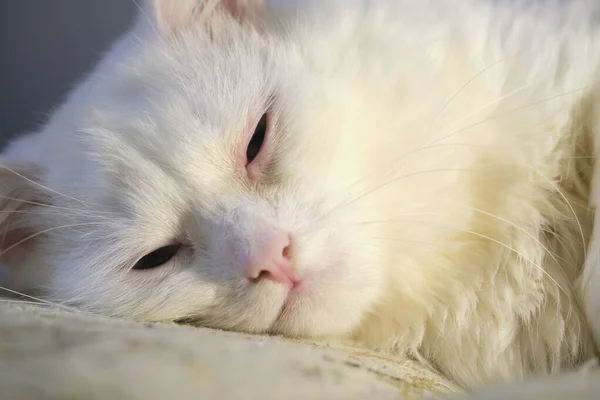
<point x="48" y="353"/>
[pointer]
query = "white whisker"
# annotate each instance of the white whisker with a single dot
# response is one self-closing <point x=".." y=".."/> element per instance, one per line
<point x="66" y="308"/>
<point x="4" y="251"/>
<point x="506" y="246"/>
<point x="44" y="205"/>
<point x="42" y="186"/>
<point x="512" y="111"/>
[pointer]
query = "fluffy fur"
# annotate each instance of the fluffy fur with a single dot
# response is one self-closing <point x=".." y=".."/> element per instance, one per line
<point x="432" y="160"/>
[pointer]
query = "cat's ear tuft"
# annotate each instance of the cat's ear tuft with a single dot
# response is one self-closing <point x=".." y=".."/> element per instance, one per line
<point x="169" y="16"/>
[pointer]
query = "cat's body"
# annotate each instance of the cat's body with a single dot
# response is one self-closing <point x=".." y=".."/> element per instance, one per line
<point x="429" y="167"/>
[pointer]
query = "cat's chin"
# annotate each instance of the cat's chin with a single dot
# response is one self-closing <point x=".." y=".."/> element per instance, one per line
<point x="322" y="304"/>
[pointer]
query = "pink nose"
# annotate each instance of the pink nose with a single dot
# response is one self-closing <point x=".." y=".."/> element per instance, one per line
<point x="272" y="261"/>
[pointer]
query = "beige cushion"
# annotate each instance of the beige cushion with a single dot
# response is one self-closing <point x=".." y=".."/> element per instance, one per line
<point x="47" y="353"/>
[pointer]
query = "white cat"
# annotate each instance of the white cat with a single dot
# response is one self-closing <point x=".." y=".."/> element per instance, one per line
<point x="412" y="177"/>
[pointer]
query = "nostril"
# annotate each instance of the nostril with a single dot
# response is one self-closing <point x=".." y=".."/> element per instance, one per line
<point x="272" y="262"/>
<point x="262" y="275"/>
<point x="276" y="272"/>
<point x="286" y="252"/>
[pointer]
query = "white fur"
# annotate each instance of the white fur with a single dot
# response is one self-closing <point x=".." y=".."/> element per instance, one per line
<point x="433" y="162"/>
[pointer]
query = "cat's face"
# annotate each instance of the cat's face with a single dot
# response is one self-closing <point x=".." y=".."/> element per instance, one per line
<point x="242" y="178"/>
<point x="187" y="163"/>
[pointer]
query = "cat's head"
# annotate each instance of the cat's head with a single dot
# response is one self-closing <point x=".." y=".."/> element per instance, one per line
<point x="214" y="168"/>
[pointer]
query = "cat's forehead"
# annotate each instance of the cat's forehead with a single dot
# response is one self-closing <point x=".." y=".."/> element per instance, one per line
<point x="206" y="79"/>
<point x="171" y="103"/>
<point x="176" y="112"/>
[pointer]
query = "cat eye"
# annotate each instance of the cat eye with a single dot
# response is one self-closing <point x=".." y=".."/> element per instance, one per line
<point x="158" y="257"/>
<point x="258" y="138"/>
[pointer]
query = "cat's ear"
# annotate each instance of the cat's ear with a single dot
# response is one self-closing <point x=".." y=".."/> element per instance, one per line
<point x="20" y="195"/>
<point x="168" y="16"/>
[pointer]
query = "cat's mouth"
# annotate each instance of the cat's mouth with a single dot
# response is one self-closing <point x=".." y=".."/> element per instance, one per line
<point x="301" y="301"/>
<point x="292" y="298"/>
<point x="307" y="306"/>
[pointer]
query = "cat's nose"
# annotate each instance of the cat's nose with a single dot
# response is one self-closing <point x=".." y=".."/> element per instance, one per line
<point x="272" y="261"/>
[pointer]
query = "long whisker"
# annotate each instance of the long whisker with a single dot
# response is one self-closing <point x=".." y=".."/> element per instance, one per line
<point x="370" y="191"/>
<point x="17" y="301"/>
<point x="41" y="213"/>
<point x="42" y="186"/>
<point x="436" y="142"/>
<point x="506" y="246"/>
<point x="463" y="87"/>
<point x="389" y="170"/>
<point x="146" y="17"/>
<point x="512" y="111"/>
<point x="555" y="257"/>
<point x="403" y="240"/>
<point x="567" y="202"/>
<point x="490" y="104"/>
<point x="4" y="251"/>
<point x="66" y="308"/>
<point x="583" y="241"/>
<point x="495" y="116"/>
<point x="521" y="229"/>
<point x="494" y="102"/>
<point x="36" y="203"/>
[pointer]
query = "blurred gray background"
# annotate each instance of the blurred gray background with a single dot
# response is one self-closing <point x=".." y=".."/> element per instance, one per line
<point x="45" y="47"/>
